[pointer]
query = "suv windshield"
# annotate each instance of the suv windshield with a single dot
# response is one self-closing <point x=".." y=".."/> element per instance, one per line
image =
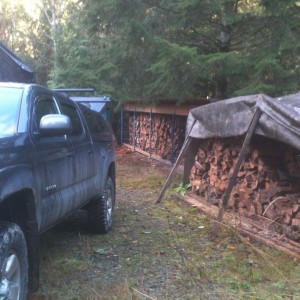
<point x="10" y="99"/>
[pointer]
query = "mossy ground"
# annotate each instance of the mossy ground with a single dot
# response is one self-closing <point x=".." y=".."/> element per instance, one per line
<point x="159" y="251"/>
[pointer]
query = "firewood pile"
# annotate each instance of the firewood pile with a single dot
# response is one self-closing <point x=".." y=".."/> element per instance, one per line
<point x="267" y="183"/>
<point x="159" y="134"/>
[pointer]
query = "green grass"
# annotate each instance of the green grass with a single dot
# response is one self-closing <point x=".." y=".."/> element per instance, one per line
<point x="174" y="248"/>
<point x="161" y="252"/>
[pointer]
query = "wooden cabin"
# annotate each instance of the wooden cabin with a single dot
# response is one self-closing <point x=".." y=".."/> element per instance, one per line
<point x="12" y="68"/>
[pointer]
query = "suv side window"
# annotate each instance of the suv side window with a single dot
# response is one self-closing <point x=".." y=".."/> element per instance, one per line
<point x="44" y="105"/>
<point x="70" y="110"/>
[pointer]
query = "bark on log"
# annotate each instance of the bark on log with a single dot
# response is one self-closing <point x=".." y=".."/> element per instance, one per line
<point x="267" y="183"/>
<point x="157" y="134"/>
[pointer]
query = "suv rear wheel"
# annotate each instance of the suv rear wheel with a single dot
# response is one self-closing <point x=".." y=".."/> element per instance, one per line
<point x="13" y="262"/>
<point x="101" y="210"/>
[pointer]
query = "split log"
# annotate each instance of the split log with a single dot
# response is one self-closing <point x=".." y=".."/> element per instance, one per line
<point x="157" y="134"/>
<point x="267" y="183"/>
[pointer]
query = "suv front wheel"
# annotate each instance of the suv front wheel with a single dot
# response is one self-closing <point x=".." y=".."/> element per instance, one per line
<point x="13" y="262"/>
<point x="101" y="210"/>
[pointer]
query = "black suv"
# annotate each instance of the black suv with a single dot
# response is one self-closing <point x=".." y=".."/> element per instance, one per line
<point x="56" y="156"/>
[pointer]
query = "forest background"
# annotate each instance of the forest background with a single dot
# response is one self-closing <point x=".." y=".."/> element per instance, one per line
<point x="148" y="50"/>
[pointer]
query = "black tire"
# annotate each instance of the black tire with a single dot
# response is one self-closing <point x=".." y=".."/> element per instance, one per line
<point x="101" y="210"/>
<point x="13" y="262"/>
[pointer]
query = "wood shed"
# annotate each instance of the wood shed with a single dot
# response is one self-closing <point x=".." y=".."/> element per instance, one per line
<point x="12" y="68"/>
<point x="156" y="130"/>
<point x="242" y="158"/>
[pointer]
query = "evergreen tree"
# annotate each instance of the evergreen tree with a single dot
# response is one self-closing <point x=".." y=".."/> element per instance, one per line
<point x="148" y="50"/>
<point x="190" y="49"/>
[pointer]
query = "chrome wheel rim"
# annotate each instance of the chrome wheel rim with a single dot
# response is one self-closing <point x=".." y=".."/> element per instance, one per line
<point x="11" y="277"/>
<point x="109" y="205"/>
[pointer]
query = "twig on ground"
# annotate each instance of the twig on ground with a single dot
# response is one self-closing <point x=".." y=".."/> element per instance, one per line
<point x="137" y="291"/>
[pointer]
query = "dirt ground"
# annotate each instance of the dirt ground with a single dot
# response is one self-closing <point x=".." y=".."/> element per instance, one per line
<point x="158" y="251"/>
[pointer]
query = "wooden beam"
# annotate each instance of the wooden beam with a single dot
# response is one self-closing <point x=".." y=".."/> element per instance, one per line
<point x="244" y="225"/>
<point x="233" y="178"/>
<point x="182" y="110"/>
<point x="152" y="156"/>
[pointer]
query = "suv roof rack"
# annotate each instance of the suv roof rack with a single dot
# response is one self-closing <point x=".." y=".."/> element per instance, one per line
<point x="75" y="90"/>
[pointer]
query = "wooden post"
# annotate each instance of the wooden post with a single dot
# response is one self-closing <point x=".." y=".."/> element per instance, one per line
<point x="232" y="180"/>
<point x="173" y="137"/>
<point x="122" y="125"/>
<point x="134" y="129"/>
<point x="150" y="134"/>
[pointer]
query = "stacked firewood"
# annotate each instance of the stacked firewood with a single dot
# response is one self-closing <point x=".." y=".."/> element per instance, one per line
<point x="267" y="182"/>
<point x="157" y="134"/>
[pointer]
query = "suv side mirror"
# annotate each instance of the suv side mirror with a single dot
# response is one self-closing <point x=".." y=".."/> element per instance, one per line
<point x="55" y="124"/>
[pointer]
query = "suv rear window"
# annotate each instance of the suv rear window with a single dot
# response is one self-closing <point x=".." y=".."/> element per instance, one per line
<point x="10" y="100"/>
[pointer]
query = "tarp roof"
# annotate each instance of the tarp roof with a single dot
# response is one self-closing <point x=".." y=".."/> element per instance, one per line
<point x="280" y="118"/>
